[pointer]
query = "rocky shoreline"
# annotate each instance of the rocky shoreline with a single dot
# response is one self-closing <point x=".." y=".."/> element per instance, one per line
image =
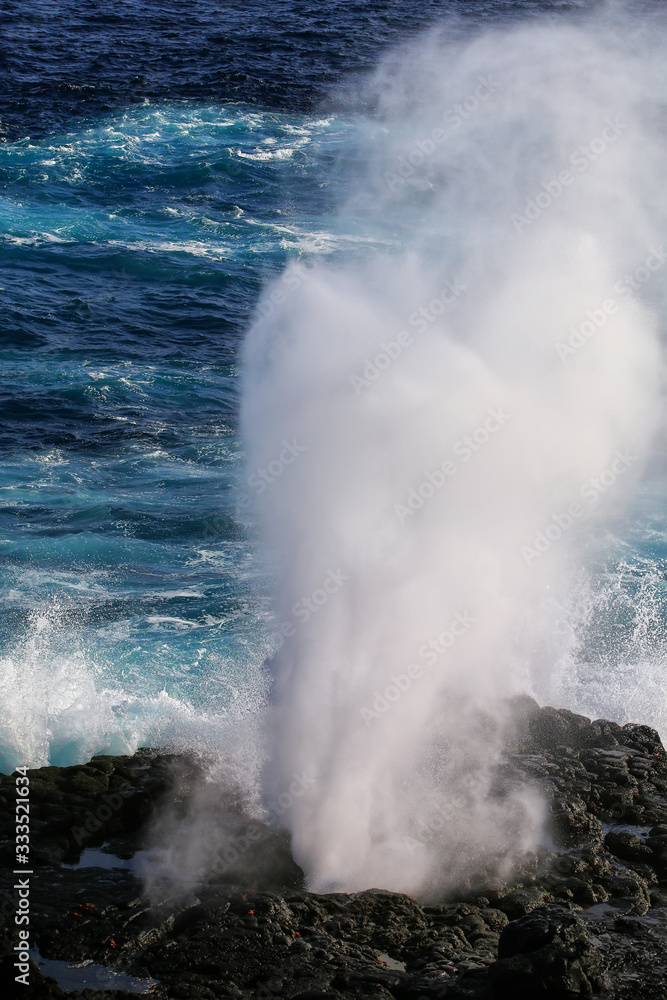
<point x="588" y="917"/>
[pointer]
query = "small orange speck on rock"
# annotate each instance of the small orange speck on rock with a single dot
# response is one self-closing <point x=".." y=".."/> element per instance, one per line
<point x="251" y="913"/>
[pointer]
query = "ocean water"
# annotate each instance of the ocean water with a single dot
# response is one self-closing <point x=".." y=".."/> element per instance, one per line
<point x="133" y="247"/>
<point x="158" y="168"/>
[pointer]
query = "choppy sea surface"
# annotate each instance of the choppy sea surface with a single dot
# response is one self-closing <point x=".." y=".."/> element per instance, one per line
<point x="158" y="166"/>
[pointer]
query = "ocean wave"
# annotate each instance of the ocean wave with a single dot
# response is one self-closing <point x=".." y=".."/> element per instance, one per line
<point x="64" y="704"/>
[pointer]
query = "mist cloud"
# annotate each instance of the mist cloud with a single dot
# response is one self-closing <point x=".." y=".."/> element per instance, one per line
<point x="524" y="167"/>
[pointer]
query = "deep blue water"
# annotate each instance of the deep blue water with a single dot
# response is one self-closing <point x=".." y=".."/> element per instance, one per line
<point x="58" y="63"/>
<point x="133" y="248"/>
<point x="160" y="162"/>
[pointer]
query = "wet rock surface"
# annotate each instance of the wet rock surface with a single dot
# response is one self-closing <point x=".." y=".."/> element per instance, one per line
<point x="586" y="917"/>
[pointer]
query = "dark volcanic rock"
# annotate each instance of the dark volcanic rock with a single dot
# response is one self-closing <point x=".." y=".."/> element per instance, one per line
<point x="546" y="953"/>
<point x="585" y="917"/>
<point x="75" y="807"/>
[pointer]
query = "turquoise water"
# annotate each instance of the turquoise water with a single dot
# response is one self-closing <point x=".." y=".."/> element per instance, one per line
<point x="133" y="248"/>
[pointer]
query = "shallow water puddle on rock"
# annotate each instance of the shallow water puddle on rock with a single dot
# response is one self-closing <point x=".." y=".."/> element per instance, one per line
<point x="641" y="831"/>
<point x="606" y="910"/>
<point x="392" y="963"/>
<point x="72" y="976"/>
<point x="96" y="857"/>
<point x="100" y="857"/>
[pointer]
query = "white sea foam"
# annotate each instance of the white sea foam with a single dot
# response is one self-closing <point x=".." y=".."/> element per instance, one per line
<point x="63" y="703"/>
